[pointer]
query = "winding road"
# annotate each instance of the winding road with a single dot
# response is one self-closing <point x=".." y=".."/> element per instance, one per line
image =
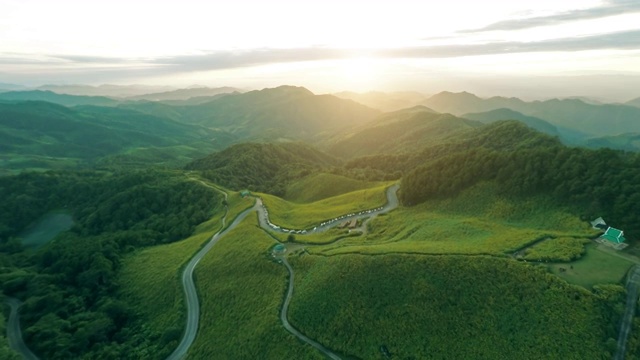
<point x="285" y="319"/>
<point x="633" y="283"/>
<point x="190" y="292"/>
<point x="14" y="334"/>
<point x="191" y="295"/>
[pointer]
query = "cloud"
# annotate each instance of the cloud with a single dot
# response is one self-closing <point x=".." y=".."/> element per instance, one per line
<point x="625" y="40"/>
<point x="611" y="8"/>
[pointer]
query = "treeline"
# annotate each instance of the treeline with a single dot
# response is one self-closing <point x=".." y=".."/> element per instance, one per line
<point x="595" y="182"/>
<point x="72" y="309"/>
<point x="262" y="167"/>
<point x="498" y="136"/>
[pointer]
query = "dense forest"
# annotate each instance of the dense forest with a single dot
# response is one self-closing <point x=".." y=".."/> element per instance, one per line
<point x="595" y="182"/>
<point x="72" y="308"/>
<point x="262" y="167"/>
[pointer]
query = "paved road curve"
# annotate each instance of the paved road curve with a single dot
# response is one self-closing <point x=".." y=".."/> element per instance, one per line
<point x="191" y="295"/>
<point x="14" y="335"/>
<point x="392" y="203"/>
<point x="285" y="320"/>
<point x="633" y="283"/>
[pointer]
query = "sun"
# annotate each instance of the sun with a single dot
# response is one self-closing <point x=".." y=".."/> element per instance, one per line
<point x="359" y="73"/>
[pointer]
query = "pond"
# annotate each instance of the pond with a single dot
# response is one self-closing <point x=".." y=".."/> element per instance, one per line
<point x="46" y="228"/>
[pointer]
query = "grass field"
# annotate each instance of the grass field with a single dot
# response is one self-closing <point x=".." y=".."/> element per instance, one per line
<point x="303" y="216"/>
<point x="476" y="222"/>
<point x="445" y="307"/>
<point x="557" y="249"/>
<point x="322" y="186"/>
<point x="595" y="267"/>
<point x="241" y="291"/>
<point x="47" y="228"/>
<point x="150" y="279"/>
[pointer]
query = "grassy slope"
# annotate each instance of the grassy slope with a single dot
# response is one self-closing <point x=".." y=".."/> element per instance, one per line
<point x="321" y="186"/>
<point x="476" y="222"/>
<point x="150" y="279"/>
<point x="453" y="307"/>
<point x="595" y="267"/>
<point x="241" y="294"/>
<point x="298" y="216"/>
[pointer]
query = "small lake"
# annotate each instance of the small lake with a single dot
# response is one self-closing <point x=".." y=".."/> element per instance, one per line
<point x="45" y="229"/>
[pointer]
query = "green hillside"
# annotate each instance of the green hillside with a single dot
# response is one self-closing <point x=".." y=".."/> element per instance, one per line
<point x="261" y="167"/>
<point x="242" y="302"/>
<point x="595" y="182"/>
<point x="441" y="307"/>
<point x="401" y="131"/>
<point x="321" y="186"/>
<point x="625" y="142"/>
<point x="44" y="135"/>
<point x="507" y="114"/>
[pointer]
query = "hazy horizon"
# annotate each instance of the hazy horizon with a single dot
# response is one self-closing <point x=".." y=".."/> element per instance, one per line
<point x="533" y="51"/>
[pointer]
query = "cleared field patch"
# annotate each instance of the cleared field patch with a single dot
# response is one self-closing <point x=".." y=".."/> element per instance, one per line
<point x="595" y="267"/>
<point x="47" y="228"/>
<point x="241" y="291"/>
<point x="303" y="216"/>
<point x="446" y="307"/>
<point x="321" y="186"/>
<point x="557" y="249"/>
<point x="476" y="222"/>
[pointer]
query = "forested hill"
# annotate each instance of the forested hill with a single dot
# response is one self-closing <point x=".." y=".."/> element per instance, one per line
<point x="504" y="136"/>
<point x="262" y="167"/>
<point x="594" y="182"/>
<point x="72" y="308"/>
<point x="401" y="131"/>
<point x="39" y="134"/>
<point x="282" y="112"/>
<point x="574" y="114"/>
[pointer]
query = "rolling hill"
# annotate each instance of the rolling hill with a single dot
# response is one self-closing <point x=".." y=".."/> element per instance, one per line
<point x="45" y="135"/>
<point x="401" y="131"/>
<point x="262" y="167"/>
<point x="508" y="114"/>
<point x="283" y="112"/>
<point x="392" y="101"/>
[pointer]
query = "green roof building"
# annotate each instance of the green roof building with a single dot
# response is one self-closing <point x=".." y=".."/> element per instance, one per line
<point x="279" y="248"/>
<point x="245" y="193"/>
<point x="614" y="235"/>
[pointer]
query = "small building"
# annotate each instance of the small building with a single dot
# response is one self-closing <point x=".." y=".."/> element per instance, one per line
<point x="614" y="235"/>
<point x="353" y="224"/>
<point x="599" y="224"/>
<point x="245" y="193"/>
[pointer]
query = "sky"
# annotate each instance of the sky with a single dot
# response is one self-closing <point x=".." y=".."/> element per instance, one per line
<point x="531" y="49"/>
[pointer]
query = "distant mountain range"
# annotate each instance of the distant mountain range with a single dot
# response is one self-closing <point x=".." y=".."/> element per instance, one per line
<point x="634" y="102"/>
<point x="119" y="91"/>
<point x="285" y="112"/>
<point x="590" y="119"/>
<point x="60" y="99"/>
<point x="385" y="101"/>
<point x="185" y="94"/>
